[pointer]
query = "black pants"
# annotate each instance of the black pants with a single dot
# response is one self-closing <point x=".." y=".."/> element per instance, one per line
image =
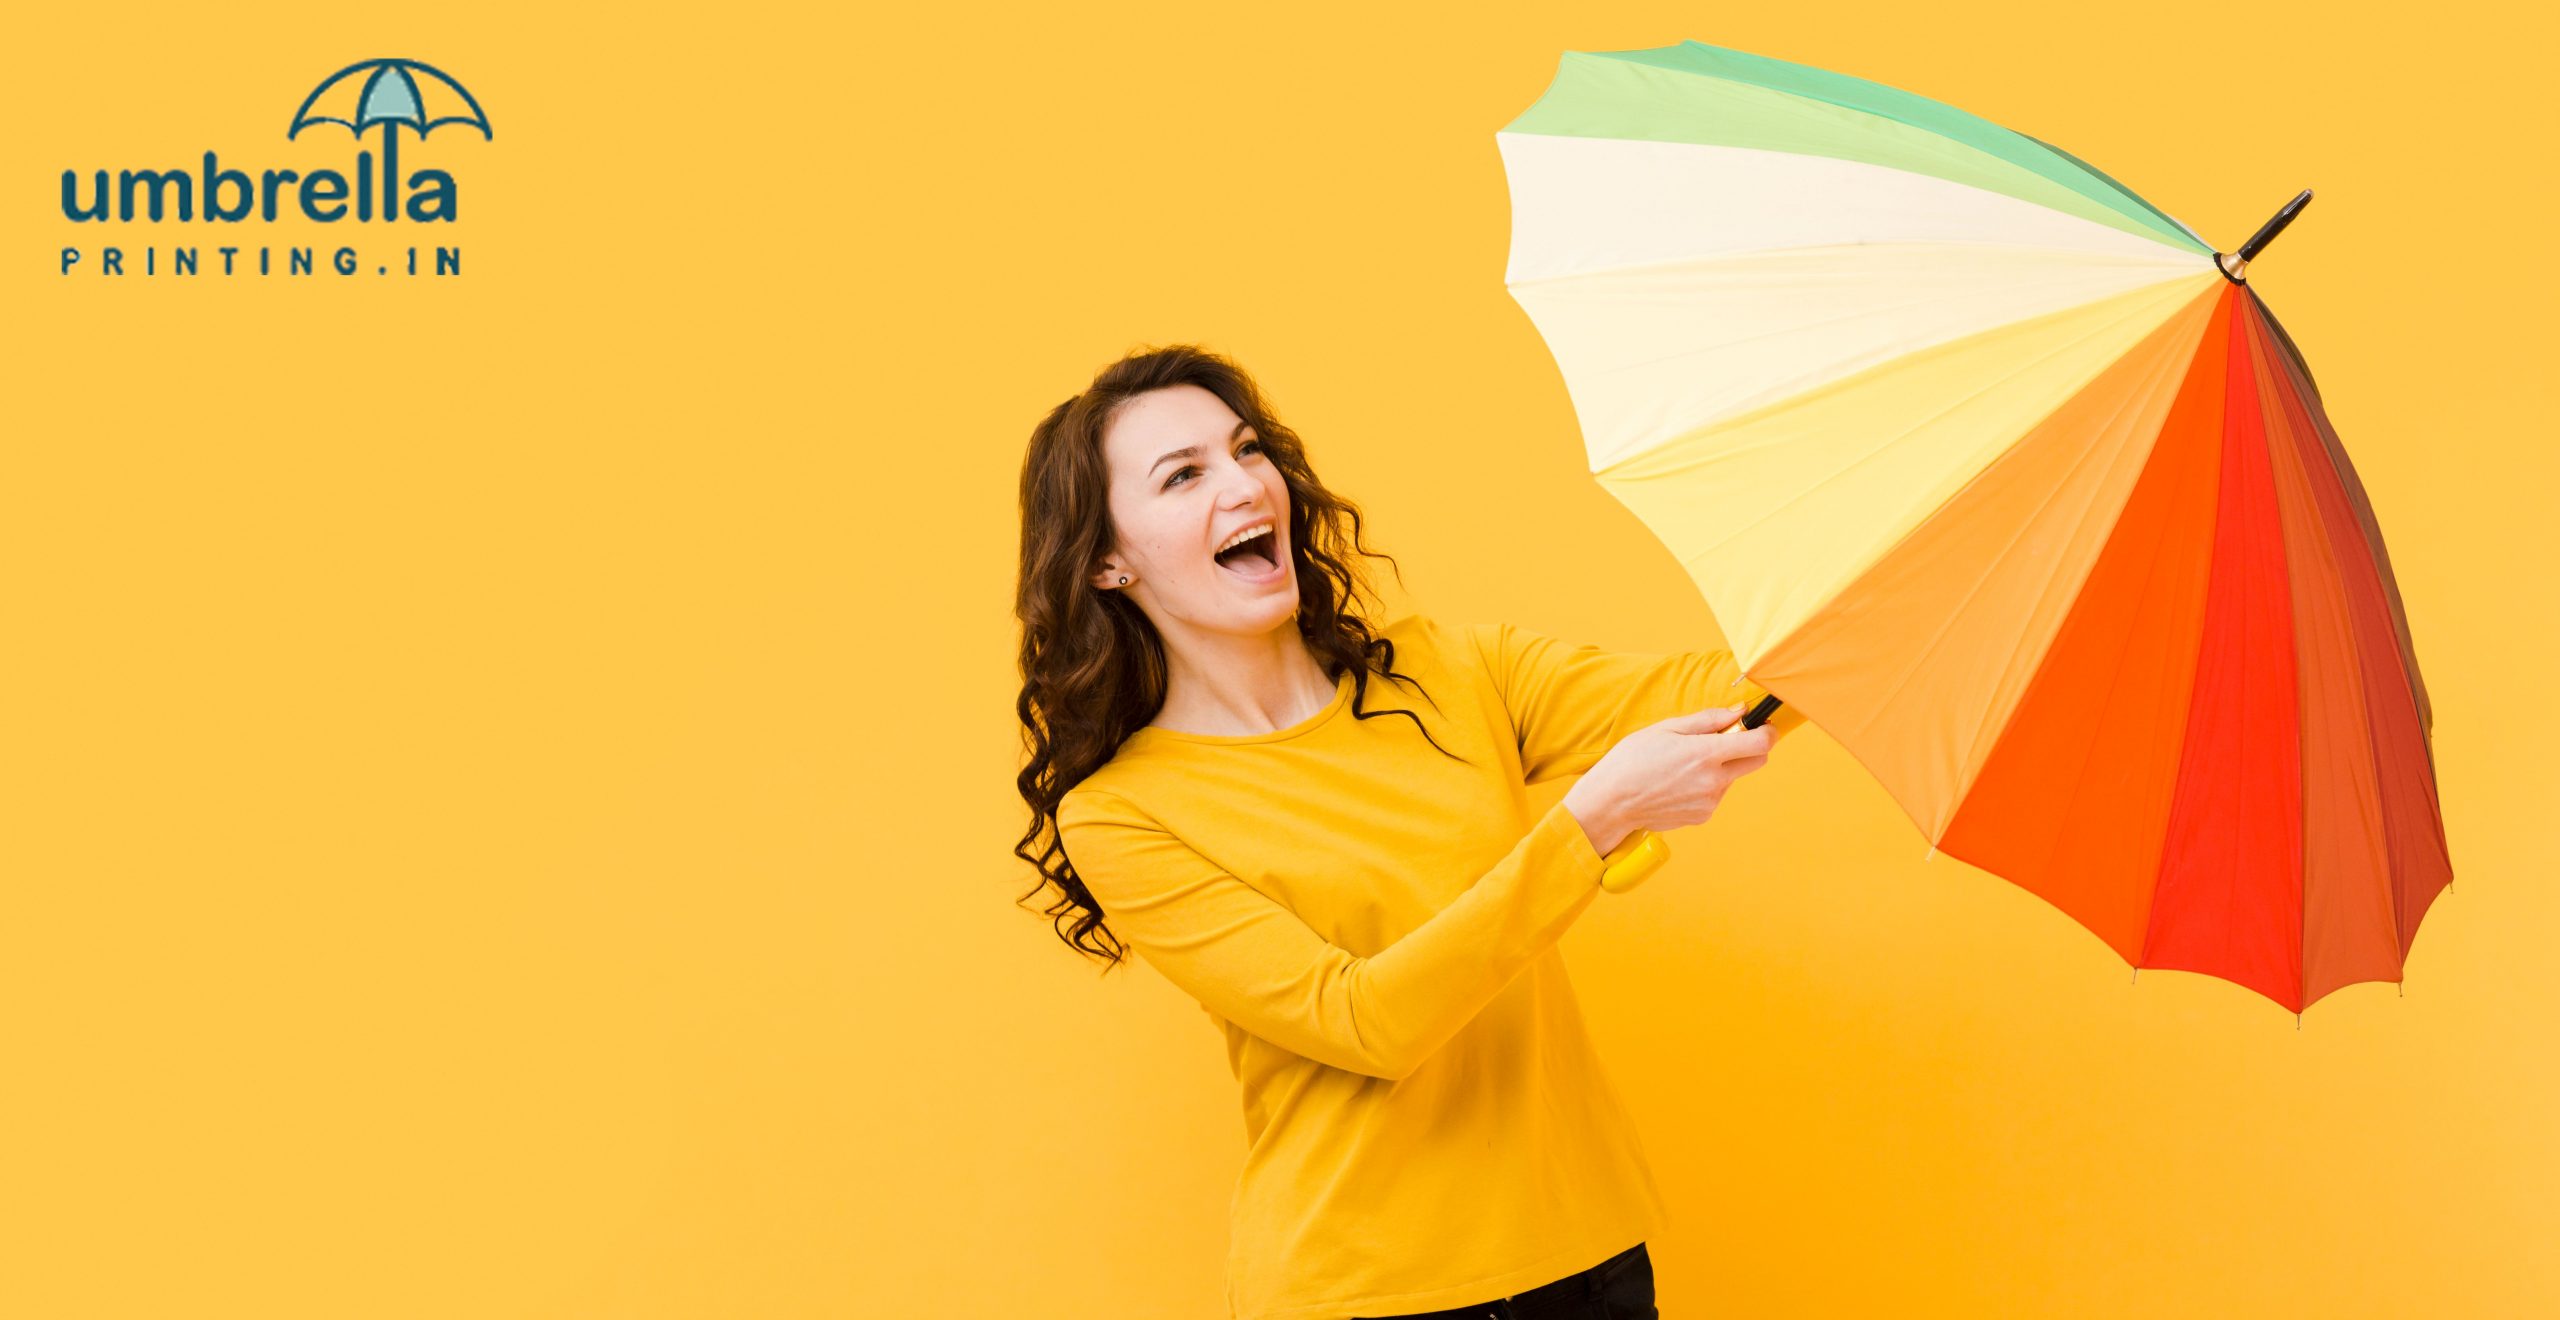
<point x="1619" y="1288"/>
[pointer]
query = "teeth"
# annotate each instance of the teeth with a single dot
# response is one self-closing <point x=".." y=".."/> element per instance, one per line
<point x="1241" y="537"/>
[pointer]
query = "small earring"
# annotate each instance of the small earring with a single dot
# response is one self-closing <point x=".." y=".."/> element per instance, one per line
<point x="1124" y="579"/>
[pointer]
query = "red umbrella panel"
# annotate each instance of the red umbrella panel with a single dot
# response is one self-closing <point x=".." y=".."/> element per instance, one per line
<point x="2289" y="838"/>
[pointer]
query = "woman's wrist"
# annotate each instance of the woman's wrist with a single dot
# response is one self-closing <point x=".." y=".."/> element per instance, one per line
<point x="1600" y="824"/>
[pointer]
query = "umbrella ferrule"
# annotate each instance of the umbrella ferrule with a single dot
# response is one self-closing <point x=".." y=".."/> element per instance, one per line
<point x="2275" y="225"/>
<point x="2235" y="265"/>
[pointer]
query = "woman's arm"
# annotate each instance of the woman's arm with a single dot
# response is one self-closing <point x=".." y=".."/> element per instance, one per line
<point x="1571" y="703"/>
<point x="1255" y="963"/>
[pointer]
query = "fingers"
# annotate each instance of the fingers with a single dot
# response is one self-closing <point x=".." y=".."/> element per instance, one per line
<point x="1735" y="743"/>
<point x="1703" y="721"/>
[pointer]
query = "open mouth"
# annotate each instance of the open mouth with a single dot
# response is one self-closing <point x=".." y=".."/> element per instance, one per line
<point x="1255" y="558"/>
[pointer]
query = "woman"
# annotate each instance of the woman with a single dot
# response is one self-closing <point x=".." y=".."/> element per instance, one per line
<point x="1364" y="905"/>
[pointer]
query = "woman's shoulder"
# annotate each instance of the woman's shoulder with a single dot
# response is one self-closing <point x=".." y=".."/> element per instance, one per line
<point x="1440" y="641"/>
<point x="1420" y="631"/>
<point x="1096" y="797"/>
<point x="1122" y="789"/>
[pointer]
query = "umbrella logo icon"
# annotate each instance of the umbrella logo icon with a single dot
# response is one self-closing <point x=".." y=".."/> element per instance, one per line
<point x="389" y="94"/>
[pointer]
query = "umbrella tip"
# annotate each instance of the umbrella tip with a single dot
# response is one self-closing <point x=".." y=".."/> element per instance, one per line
<point x="2267" y="232"/>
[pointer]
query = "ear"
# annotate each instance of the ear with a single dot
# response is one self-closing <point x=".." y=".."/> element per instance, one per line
<point x="1107" y="578"/>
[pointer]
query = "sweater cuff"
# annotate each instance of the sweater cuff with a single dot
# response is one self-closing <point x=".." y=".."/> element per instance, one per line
<point x="1572" y="842"/>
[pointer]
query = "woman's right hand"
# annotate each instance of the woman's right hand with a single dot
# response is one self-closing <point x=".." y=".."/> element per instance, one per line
<point x="1666" y="775"/>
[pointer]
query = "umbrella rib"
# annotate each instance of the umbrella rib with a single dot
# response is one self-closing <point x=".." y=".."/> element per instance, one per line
<point x="1905" y="434"/>
<point x="2079" y="462"/>
<point x="1722" y="345"/>
<point x="1861" y="313"/>
<point x="2293" y="386"/>
<point x="2184" y="362"/>
<point x="2181" y="263"/>
<point x="1780" y="392"/>
<point x="1990" y="163"/>
<point x="2115" y="679"/>
<point x="1988" y="156"/>
<point x="2089" y="748"/>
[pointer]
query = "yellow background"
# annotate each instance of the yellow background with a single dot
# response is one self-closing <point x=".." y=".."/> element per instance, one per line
<point x="506" y="783"/>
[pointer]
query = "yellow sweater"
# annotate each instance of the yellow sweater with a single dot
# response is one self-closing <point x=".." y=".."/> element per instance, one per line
<point x="1372" y="927"/>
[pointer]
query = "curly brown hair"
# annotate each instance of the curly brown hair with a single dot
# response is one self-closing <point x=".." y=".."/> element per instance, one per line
<point x="1093" y="665"/>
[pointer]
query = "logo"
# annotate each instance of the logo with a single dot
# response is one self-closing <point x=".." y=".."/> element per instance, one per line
<point x="386" y="98"/>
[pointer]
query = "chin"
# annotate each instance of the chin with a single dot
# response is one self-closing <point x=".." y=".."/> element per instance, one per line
<point x="1274" y="612"/>
<point x="1280" y="612"/>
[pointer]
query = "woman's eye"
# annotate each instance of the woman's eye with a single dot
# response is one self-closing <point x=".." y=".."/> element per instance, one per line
<point x="1181" y="472"/>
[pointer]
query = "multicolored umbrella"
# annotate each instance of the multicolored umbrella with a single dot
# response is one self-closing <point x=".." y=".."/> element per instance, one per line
<point x="2007" y="480"/>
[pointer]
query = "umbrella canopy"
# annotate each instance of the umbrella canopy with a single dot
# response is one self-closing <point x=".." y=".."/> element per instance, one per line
<point x="2007" y="480"/>
<point x="390" y="93"/>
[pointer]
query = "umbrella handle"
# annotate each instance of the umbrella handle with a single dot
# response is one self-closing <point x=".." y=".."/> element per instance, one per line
<point x="1643" y="852"/>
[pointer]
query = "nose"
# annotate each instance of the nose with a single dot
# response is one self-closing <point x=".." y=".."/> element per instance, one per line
<point x="1238" y="488"/>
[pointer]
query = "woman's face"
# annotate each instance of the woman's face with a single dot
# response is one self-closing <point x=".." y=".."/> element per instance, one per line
<point x="1187" y="476"/>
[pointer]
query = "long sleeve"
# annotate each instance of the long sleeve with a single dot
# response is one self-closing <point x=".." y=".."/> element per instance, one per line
<point x="1253" y="962"/>
<point x="1571" y="703"/>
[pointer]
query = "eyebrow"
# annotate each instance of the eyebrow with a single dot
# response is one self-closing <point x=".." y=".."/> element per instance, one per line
<point x="1188" y="451"/>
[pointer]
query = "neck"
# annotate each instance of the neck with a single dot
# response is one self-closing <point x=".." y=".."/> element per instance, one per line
<point x="1228" y="685"/>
